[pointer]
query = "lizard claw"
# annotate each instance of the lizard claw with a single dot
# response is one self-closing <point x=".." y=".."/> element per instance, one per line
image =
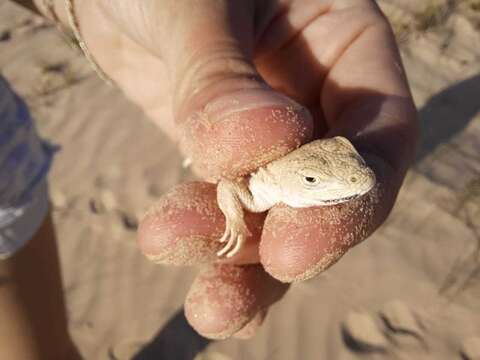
<point x="236" y="237"/>
<point x="238" y="246"/>
<point x="227" y="247"/>
<point x="226" y="234"/>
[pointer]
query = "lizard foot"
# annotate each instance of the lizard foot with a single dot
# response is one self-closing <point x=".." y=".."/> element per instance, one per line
<point x="236" y="235"/>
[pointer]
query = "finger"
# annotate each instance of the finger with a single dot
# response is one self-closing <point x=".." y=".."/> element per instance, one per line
<point x="229" y="120"/>
<point x="354" y="72"/>
<point x="184" y="227"/>
<point x="225" y="298"/>
<point x="298" y="244"/>
<point x="365" y="97"/>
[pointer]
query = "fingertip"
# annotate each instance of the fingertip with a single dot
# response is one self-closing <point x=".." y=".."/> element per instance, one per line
<point x="185" y="226"/>
<point x="219" y="303"/>
<point x="298" y="244"/>
<point x="182" y="228"/>
<point x="223" y="299"/>
<point x="235" y="134"/>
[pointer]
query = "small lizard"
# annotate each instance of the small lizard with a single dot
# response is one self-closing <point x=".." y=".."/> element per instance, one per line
<point x="322" y="172"/>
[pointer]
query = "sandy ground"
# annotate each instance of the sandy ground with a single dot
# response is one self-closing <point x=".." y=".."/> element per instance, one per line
<point x="412" y="291"/>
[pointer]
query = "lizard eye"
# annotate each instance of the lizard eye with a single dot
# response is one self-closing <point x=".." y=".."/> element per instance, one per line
<point x="310" y="180"/>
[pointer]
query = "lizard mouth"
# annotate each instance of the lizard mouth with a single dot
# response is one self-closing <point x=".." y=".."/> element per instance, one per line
<point x="341" y="200"/>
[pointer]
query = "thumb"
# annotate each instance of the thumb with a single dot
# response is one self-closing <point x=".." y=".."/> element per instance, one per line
<point x="229" y="120"/>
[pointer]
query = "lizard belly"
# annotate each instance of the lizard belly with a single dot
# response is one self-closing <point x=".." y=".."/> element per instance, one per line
<point x="265" y="195"/>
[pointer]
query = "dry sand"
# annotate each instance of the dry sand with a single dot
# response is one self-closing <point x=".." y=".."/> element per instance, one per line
<point x="412" y="291"/>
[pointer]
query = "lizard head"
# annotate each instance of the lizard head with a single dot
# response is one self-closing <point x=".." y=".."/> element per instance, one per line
<point x="323" y="172"/>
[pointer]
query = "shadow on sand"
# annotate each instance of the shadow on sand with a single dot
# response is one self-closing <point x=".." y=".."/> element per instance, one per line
<point x="175" y="341"/>
<point x="447" y="113"/>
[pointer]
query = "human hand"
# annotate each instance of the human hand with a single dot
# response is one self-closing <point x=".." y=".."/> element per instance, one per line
<point x="212" y="74"/>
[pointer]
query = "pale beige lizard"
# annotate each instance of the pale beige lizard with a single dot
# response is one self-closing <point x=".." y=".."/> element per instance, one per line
<point x="322" y="172"/>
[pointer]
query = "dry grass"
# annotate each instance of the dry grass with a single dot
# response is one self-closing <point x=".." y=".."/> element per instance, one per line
<point x="470" y="195"/>
<point x="433" y="14"/>
<point x="53" y="77"/>
<point x="400" y="20"/>
<point x="472" y="189"/>
<point x="473" y="4"/>
<point x="465" y="272"/>
<point x="401" y="28"/>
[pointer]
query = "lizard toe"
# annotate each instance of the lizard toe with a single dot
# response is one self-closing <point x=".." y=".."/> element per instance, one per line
<point x="225" y="236"/>
<point x="230" y="243"/>
<point x="238" y="246"/>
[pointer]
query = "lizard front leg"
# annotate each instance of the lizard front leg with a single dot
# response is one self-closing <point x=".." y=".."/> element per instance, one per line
<point x="232" y="198"/>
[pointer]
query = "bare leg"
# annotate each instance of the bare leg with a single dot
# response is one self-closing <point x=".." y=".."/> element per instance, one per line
<point x="33" y="323"/>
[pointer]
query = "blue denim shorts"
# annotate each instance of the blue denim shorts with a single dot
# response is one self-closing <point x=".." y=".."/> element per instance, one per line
<point x="24" y="163"/>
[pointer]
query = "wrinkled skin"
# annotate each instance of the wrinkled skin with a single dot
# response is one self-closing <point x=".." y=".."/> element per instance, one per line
<point x="209" y="73"/>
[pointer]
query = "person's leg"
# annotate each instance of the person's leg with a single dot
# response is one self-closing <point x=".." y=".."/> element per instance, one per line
<point x="33" y="323"/>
